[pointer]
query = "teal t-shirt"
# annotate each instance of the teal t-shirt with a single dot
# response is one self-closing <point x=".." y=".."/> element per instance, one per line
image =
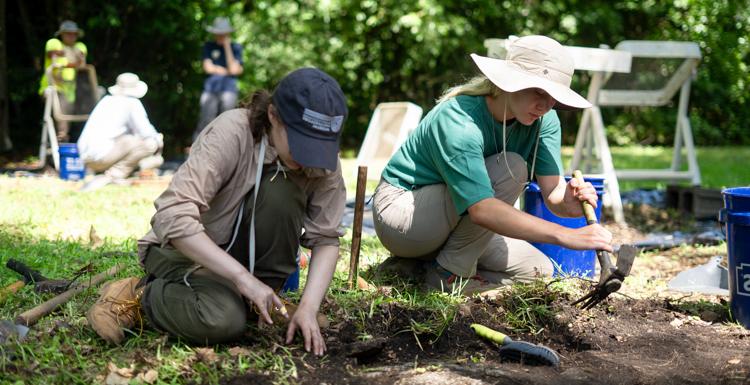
<point x="449" y="146"/>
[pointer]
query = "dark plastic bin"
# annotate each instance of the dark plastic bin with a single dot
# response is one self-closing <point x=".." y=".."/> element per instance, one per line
<point x="736" y="218"/>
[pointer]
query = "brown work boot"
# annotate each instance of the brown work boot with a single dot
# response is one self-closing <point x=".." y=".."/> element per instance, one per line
<point x="439" y="278"/>
<point x="118" y="308"/>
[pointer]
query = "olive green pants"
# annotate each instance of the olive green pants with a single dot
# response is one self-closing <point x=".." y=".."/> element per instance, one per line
<point x="202" y="307"/>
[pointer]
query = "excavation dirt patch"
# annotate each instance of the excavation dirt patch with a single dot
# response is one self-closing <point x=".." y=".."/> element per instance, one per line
<point x="625" y="342"/>
<point x="644" y="336"/>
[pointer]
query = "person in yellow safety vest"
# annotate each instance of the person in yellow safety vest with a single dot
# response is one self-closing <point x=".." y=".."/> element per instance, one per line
<point x="66" y="55"/>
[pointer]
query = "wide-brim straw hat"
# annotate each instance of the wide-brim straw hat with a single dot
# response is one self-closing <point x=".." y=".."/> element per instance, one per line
<point x="69" y="26"/>
<point x="221" y="26"/>
<point x="534" y="62"/>
<point x="128" y="84"/>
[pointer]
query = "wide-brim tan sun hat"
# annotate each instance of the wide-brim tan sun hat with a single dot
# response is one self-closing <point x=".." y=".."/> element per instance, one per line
<point x="534" y="62"/>
<point x="128" y="84"/>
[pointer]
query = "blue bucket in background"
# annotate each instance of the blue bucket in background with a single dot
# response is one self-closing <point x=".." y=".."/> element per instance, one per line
<point x="292" y="281"/>
<point x="71" y="164"/>
<point x="580" y="263"/>
<point x="736" y="218"/>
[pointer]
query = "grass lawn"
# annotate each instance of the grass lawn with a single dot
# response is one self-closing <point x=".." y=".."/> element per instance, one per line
<point x="47" y="224"/>
<point x="720" y="166"/>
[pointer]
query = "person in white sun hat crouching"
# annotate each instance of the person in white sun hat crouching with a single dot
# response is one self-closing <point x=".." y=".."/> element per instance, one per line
<point x="118" y="136"/>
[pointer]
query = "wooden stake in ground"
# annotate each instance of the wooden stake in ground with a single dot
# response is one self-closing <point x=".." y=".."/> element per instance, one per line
<point x="359" y="208"/>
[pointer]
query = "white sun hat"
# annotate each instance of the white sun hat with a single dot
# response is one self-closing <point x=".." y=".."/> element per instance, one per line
<point x="534" y="62"/>
<point x="128" y="84"/>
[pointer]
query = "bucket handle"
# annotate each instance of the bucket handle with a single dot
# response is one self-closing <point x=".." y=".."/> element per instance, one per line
<point x="742" y="219"/>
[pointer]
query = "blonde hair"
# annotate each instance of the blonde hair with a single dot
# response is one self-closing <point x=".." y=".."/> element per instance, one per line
<point x="477" y="86"/>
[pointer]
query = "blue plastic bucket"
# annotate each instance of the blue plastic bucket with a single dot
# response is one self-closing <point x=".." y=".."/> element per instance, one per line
<point x="736" y="218"/>
<point x="292" y="281"/>
<point x="580" y="263"/>
<point x="71" y="164"/>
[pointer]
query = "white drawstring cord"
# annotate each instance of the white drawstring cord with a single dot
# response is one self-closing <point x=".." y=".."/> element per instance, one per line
<point x="505" y="153"/>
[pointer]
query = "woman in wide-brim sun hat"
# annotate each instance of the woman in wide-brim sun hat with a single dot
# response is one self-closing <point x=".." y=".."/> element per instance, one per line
<point x="446" y="196"/>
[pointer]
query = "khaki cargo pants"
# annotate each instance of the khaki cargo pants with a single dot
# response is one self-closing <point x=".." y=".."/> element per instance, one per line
<point x="423" y="223"/>
<point x="122" y="160"/>
<point x="204" y="308"/>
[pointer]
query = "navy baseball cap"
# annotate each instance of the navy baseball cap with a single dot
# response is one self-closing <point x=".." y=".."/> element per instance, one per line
<point x="313" y="108"/>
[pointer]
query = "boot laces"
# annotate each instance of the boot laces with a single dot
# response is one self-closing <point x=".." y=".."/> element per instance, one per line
<point x="128" y="308"/>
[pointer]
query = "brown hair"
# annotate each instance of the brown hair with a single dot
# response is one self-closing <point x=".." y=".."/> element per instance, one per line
<point x="257" y="105"/>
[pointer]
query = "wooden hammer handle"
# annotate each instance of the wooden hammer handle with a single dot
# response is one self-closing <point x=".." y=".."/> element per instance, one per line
<point x="31" y="316"/>
<point x="588" y="210"/>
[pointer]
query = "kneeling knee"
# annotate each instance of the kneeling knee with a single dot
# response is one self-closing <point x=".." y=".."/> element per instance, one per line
<point x="222" y="323"/>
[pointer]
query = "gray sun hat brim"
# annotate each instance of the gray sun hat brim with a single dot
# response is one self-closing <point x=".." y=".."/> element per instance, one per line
<point x="69" y="26"/>
<point x="220" y="26"/>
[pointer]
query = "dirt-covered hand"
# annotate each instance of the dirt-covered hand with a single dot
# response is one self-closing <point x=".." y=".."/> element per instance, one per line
<point x="591" y="237"/>
<point x="306" y="322"/>
<point x="262" y="297"/>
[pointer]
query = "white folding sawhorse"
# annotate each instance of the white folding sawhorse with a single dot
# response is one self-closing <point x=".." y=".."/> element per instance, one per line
<point x="52" y="110"/>
<point x="600" y="62"/>
<point x="591" y="134"/>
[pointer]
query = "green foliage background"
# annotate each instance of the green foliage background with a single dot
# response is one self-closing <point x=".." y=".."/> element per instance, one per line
<point x="379" y="51"/>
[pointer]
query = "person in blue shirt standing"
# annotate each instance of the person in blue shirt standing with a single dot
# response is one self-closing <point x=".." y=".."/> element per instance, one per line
<point x="222" y="62"/>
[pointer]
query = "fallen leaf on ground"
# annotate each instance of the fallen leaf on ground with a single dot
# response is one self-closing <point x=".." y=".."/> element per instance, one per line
<point x="118" y="376"/>
<point x="94" y="239"/>
<point x="148" y="377"/>
<point x="206" y="355"/>
<point x="238" y="351"/>
<point x="362" y="284"/>
<point x="734" y="361"/>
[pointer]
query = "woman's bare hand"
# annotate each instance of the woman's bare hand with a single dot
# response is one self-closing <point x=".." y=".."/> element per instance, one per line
<point x="591" y="237"/>
<point x="263" y="298"/>
<point x="306" y="322"/>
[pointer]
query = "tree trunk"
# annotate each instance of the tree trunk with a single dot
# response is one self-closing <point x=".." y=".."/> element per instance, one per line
<point x="5" y="143"/>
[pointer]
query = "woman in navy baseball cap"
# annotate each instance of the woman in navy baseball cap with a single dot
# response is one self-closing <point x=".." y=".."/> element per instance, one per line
<point x="260" y="182"/>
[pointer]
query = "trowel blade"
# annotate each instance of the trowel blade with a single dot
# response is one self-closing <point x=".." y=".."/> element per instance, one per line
<point x="22" y="331"/>
<point x="9" y="330"/>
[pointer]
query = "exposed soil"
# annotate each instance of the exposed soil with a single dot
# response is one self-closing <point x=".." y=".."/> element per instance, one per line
<point x="646" y="336"/>
<point x="623" y="342"/>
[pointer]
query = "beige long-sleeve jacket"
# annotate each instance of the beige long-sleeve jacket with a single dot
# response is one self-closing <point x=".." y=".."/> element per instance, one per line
<point x="206" y="192"/>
